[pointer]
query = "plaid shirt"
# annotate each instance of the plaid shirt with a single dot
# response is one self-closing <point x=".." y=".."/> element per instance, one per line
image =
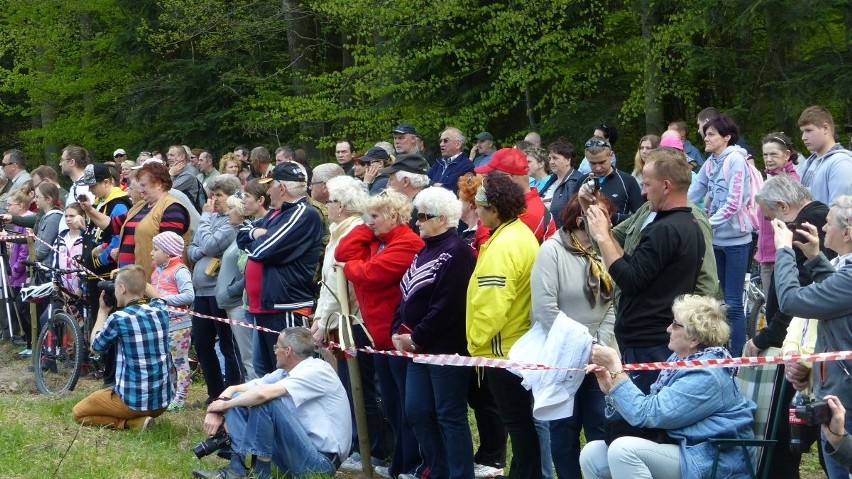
<point x="143" y="361"/>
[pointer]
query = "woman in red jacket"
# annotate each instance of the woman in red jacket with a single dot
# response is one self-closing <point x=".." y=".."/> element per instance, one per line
<point x="374" y="256"/>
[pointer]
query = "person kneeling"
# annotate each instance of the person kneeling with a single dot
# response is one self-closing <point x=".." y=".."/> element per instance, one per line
<point x="142" y="388"/>
<point x="297" y="416"/>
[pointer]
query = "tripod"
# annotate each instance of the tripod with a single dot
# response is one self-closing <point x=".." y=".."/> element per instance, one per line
<point x="7" y="295"/>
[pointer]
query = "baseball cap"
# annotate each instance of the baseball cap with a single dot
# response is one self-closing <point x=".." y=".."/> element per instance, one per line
<point x="95" y="173"/>
<point x="118" y="152"/>
<point x="286" y="171"/>
<point x="412" y="163"/>
<point x="404" y="128"/>
<point x="507" y="160"/>
<point x="374" y="153"/>
<point x="484" y="136"/>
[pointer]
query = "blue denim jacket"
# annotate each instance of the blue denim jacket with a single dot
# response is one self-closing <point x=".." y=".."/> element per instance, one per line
<point x="694" y="405"/>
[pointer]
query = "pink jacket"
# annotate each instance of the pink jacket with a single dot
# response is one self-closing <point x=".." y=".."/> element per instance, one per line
<point x="766" y="235"/>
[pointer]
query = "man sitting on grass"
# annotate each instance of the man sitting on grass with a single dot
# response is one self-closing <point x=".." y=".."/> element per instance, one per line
<point x="297" y="416"/>
<point x="142" y="388"/>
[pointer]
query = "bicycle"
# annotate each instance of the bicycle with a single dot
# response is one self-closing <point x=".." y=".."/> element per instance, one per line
<point x="62" y="348"/>
<point x="755" y="305"/>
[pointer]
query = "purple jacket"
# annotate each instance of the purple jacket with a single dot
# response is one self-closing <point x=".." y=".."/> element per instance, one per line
<point x="17" y="256"/>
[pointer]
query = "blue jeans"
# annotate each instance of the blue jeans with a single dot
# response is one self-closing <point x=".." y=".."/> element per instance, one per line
<point x="271" y="429"/>
<point x="834" y="469"/>
<point x="731" y="264"/>
<point x="565" y="433"/>
<point x="391" y="371"/>
<point x="262" y="354"/>
<point x="436" y="409"/>
<point x="644" y="379"/>
<point x="371" y="397"/>
<point x="542" y="429"/>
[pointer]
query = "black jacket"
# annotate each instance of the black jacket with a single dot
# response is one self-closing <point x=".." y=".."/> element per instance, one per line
<point x="776" y="321"/>
<point x="663" y="266"/>
<point x="624" y="192"/>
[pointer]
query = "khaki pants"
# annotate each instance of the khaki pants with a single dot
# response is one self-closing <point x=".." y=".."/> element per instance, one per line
<point x="106" y="408"/>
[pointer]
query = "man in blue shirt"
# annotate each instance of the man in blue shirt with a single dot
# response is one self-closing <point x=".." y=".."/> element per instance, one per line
<point x="142" y="388"/>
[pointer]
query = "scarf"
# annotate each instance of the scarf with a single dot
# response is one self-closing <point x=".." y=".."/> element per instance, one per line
<point x="714" y="352"/>
<point x="598" y="285"/>
<point x="787" y="168"/>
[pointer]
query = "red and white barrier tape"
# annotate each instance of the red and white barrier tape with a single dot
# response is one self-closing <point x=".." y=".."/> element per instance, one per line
<point x="457" y="360"/>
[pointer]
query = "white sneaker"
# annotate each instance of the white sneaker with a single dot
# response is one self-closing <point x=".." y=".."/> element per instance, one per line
<point x="482" y="471"/>
<point x="382" y="471"/>
<point x="352" y="463"/>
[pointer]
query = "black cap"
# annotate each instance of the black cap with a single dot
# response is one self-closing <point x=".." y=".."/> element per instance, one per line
<point x="374" y="153"/>
<point x="286" y="171"/>
<point x="95" y="173"/>
<point x="403" y="128"/>
<point x="412" y="163"/>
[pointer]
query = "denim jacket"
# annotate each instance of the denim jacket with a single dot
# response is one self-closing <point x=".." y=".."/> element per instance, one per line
<point x="693" y="405"/>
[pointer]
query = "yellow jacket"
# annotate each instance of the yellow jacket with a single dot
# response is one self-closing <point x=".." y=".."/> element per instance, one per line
<point x="498" y="295"/>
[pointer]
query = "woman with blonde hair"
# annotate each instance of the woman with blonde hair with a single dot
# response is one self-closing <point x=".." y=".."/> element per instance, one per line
<point x="374" y="257"/>
<point x="684" y="410"/>
<point x="646" y="144"/>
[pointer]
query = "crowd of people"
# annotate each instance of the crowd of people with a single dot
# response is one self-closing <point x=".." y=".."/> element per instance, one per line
<point x="523" y="252"/>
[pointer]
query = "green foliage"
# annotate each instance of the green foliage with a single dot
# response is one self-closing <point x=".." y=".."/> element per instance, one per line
<point x="214" y="73"/>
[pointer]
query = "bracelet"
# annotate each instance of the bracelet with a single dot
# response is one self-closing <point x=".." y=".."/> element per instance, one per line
<point x="613" y="375"/>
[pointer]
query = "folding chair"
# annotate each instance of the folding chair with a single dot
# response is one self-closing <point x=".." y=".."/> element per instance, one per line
<point x="758" y="389"/>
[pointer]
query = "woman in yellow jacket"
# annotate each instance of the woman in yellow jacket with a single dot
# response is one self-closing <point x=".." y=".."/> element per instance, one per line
<point x="498" y="310"/>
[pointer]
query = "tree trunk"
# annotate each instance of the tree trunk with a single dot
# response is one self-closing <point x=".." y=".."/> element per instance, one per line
<point x="296" y="17"/>
<point x="653" y="104"/>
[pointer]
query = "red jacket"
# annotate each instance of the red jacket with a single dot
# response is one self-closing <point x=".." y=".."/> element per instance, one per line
<point x="375" y="275"/>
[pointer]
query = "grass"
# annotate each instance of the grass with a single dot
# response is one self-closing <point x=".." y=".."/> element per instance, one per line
<point x="38" y="438"/>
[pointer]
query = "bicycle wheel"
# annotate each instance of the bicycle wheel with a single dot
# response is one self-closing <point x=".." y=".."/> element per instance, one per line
<point x="756" y="319"/>
<point x="58" y="355"/>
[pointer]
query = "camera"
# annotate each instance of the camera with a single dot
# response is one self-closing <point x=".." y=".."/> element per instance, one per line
<point x="82" y="198"/>
<point x="592" y="183"/>
<point x="108" y="287"/>
<point x="212" y="444"/>
<point x="814" y="413"/>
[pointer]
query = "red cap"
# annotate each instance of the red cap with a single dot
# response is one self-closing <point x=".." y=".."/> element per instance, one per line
<point x="507" y="160"/>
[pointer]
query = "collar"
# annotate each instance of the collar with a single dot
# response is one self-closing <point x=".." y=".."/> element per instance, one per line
<point x="438" y="238"/>
<point x="394" y="233"/>
<point x="452" y="158"/>
<point x="787" y="168"/>
<point x="115" y="193"/>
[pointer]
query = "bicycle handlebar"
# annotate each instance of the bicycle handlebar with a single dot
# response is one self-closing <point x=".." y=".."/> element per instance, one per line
<point x="37" y="265"/>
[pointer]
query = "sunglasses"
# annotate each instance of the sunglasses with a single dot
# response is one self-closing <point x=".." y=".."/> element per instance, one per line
<point x="597" y="143"/>
<point x="423" y="217"/>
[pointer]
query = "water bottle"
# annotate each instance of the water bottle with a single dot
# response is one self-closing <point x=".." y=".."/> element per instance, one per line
<point x="796" y="423"/>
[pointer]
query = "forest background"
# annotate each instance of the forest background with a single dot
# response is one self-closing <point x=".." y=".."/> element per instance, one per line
<point x="145" y="74"/>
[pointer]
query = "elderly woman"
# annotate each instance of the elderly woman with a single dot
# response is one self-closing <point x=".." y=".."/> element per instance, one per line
<point x="376" y="158"/>
<point x="157" y="212"/>
<point x="498" y="310"/>
<point x="691" y="406"/>
<point x="126" y="168"/>
<point x="374" y="257"/>
<point x="215" y="234"/>
<point x="724" y="179"/>
<point x="826" y="299"/>
<point x="347" y="200"/>
<point x="432" y="318"/>
<point x="780" y="158"/>
<point x="570" y="277"/>
<point x="230" y="286"/>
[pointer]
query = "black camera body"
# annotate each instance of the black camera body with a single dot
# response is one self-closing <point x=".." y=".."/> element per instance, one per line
<point x="108" y="287"/>
<point x="212" y="444"/>
<point x="814" y="413"/>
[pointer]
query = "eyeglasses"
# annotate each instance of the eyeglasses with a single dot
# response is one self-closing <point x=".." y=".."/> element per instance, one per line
<point x="597" y="143"/>
<point x="329" y="202"/>
<point x="7" y="164"/>
<point x="423" y="217"/>
<point x="676" y="325"/>
<point x="276" y="347"/>
<point x="317" y="183"/>
<point x="119" y="156"/>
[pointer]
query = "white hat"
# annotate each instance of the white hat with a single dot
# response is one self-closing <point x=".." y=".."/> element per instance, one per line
<point x="119" y="152"/>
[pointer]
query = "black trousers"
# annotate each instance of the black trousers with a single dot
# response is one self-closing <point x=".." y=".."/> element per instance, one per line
<point x="515" y="405"/>
<point x="204" y="334"/>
